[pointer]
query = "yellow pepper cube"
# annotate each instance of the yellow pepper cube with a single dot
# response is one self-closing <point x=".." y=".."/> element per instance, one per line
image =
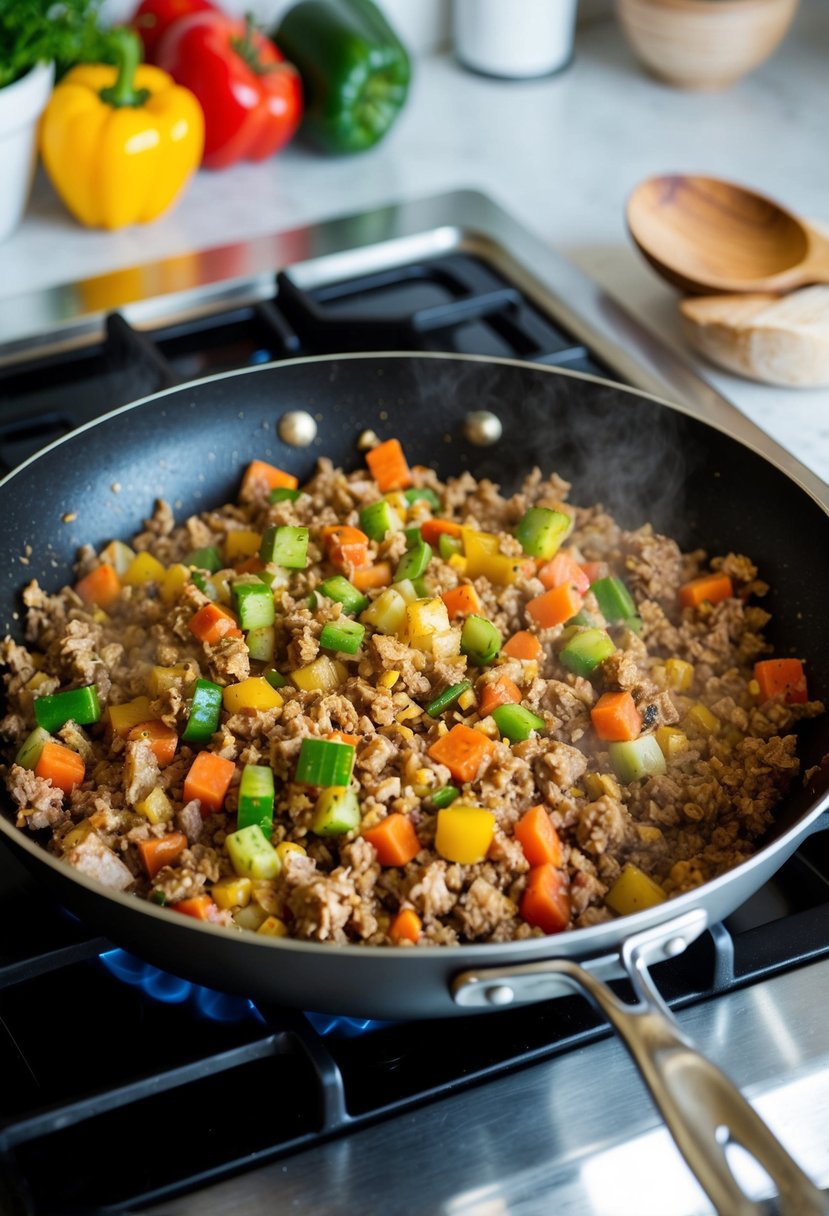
<point x="250" y="917"/>
<point x="174" y="582"/>
<point x="632" y="891"/>
<point x="424" y="619"/>
<point x="388" y="679"/>
<point x="232" y="892"/>
<point x="144" y="568"/>
<point x="122" y="718"/>
<point x="671" y="741"/>
<point x="483" y="559"/>
<point x="118" y="555"/>
<point x="162" y="678"/>
<point x="679" y="674"/>
<point x="699" y="720"/>
<point x="156" y="807"/>
<point x="397" y="501"/>
<point x="40" y="677"/>
<point x="388" y="612"/>
<point x="272" y="926"/>
<point x="288" y="846"/>
<point x="464" y="833"/>
<point x="254" y="693"/>
<point x="241" y="543"/>
<point x="323" y="675"/>
<point x="458" y="563"/>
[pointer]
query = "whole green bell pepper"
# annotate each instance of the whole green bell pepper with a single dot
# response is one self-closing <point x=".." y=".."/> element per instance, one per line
<point x="355" y="71"/>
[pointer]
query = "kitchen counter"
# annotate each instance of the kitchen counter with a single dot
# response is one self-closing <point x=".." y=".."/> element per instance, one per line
<point x="561" y="154"/>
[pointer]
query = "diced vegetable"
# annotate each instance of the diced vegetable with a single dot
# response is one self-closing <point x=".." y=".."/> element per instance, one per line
<point x="212" y="623"/>
<point x="406" y="588"/>
<point x="671" y="740"/>
<point x="636" y="759"/>
<point x="367" y="578"/>
<point x="343" y="592"/>
<point x="464" y="833"/>
<point x="272" y="926"/>
<point x="679" y="674"/>
<point x="538" y="837"/>
<point x="260" y="478"/>
<point x="285" y="546"/>
<point x="144" y="568"/>
<point x="156" y="807"/>
<point x="251" y="854"/>
<point x="555" y="606"/>
<point x="208" y="780"/>
<point x="424" y="619"/>
<point x="541" y="531"/>
<point x="449" y="546"/>
<point x="255" y="693"/>
<point x="461" y="601"/>
<point x="389" y="467"/>
<point x="162" y="739"/>
<point x="101" y="586"/>
<point x="261" y="643"/>
<point x="323" y="675"/>
<point x="463" y="751"/>
<point x="337" y="811"/>
<point x="414" y="561"/>
<point x="119" y="555"/>
<point x="444" y="797"/>
<point x="205" y="710"/>
<point x="614" y="600"/>
<point x="204" y="584"/>
<point x="256" y="798"/>
<point x="779" y="677"/>
<point x="324" y="762"/>
<point x="232" y="892"/>
<point x="700" y="721"/>
<point x="524" y="646"/>
<point x="483" y="559"/>
<point x="207" y="558"/>
<point x="200" y="907"/>
<point x="174" y="582"/>
<point x="254" y="603"/>
<point x="343" y="636"/>
<point x="60" y="765"/>
<point x="545" y="903"/>
<point x="347" y="547"/>
<point x="283" y="494"/>
<point x="516" y="722"/>
<point x="31" y="747"/>
<point x="161" y="851"/>
<point x="500" y="691"/>
<point x="432" y="530"/>
<point x="394" y="840"/>
<point x="388" y="612"/>
<point x="423" y="494"/>
<point x="378" y="518"/>
<point x="406" y="927"/>
<point x="615" y="717"/>
<point x="288" y="846"/>
<point x="122" y="718"/>
<point x="447" y="698"/>
<point x="275" y="678"/>
<point x="632" y="891"/>
<point x="708" y="587"/>
<point x="586" y="650"/>
<point x="480" y="640"/>
<point x="76" y="705"/>
<point x="563" y="569"/>
<point x="241" y="543"/>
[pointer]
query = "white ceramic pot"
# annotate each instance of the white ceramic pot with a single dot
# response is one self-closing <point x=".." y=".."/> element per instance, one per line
<point x="515" y="40"/>
<point x="21" y="105"/>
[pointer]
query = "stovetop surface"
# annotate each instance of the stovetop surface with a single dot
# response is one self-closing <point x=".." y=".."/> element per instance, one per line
<point x="97" y="1051"/>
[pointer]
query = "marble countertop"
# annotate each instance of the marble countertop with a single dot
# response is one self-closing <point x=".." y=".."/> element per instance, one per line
<point x="561" y="154"/>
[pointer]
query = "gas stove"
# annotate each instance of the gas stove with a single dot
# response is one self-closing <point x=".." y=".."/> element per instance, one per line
<point x="126" y="1089"/>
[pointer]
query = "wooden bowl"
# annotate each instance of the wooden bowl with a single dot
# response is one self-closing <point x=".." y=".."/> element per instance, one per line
<point x="704" y="44"/>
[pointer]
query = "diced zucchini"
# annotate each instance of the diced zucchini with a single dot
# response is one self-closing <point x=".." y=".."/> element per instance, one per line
<point x="261" y="643"/>
<point x="378" y="518"/>
<point x="480" y="640"/>
<point x="338" y="588"/>
<point x="337" y="811"/>
<point x="541" y="531"/>
<point x="254" y="603"/>
<point x="516" y="722"/>
<point x="344" y="636"/>
<point x="31" y="747"/>
<point x="251" y="854"/>
<point x="636" y="759"/>
<point x="414" y="561"/>
<point x="585" y="650"/>
<point x="285" y="546"/>
<point x="207" y="558"/>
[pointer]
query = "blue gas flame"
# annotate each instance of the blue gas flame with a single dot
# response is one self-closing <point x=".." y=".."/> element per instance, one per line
<point x="209" y="1003"/>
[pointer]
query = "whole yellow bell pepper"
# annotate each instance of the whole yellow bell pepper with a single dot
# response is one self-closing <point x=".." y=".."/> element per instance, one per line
<point x="120" y="143"/>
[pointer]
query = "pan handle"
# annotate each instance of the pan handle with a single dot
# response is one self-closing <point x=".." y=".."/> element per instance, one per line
<point x="703" y="1110"/>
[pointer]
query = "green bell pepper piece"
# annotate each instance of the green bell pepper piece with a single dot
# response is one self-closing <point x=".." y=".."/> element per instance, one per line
<point x="283" y="494"/>
<point x="414" y="561"/>
<point x="378" y="518"/>
<point x="586" y="650"/>
<point x="324" y="762"/>
<point x="355" y="71"/>
<point x="205" y="710"/>
<point x="423" y="494"/>
<point x="480" y="640"/>
<point x="343" y="635"/>
<point x="77" y="705"/>
<point x="614" y="599"/>
<point x="208" y="559"/>
<point x="541" y="531"/>
<point x="516" y="722"/>
<point x="340" y="589"/>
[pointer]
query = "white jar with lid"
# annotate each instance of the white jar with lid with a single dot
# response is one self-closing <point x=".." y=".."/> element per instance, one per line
<point x="514" y="38"/>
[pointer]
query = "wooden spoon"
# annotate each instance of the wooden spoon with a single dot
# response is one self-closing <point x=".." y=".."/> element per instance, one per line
<point x="706" y="235"/>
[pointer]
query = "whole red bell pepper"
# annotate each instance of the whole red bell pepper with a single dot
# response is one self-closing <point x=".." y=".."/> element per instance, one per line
<point x="153" y="17"/>
<point x="251" y="96"/>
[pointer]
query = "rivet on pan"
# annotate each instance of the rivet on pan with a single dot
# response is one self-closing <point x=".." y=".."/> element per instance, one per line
<point x="297" y="428"/>
<point x="483" y="428"/>
<point x="673" y="947"/>
<point x="500" y="994"/>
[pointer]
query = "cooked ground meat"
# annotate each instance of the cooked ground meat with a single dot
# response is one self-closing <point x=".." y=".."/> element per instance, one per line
<point x="686" y="672"/>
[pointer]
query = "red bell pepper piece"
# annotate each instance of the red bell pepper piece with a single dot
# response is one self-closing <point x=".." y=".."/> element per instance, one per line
<point x="251" y="97"/>
<point x="153" y="17"/>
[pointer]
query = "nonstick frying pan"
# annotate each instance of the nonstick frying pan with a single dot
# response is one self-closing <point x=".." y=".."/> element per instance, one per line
<point x="645" y="461"/>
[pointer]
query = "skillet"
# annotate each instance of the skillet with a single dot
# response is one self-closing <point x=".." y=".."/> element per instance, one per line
<point x="645" y="460"/>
